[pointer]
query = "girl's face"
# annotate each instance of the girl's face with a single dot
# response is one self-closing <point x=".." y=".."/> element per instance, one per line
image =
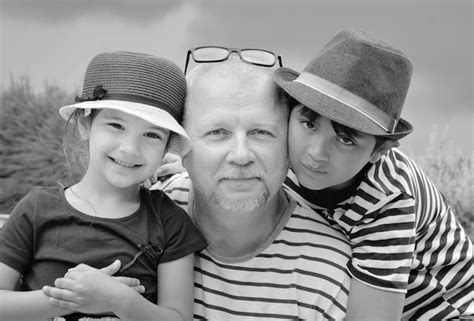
<point x="124" y="150"/>
<point x="322" y="157"/>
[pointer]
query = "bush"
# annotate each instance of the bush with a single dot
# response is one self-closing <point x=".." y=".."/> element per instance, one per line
<point x="452" y="173"/>
<point x="30" y="140"/>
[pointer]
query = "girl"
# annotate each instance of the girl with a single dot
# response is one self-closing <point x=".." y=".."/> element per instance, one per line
<point x="410" y="255"/>
<point x="129" y="114"/>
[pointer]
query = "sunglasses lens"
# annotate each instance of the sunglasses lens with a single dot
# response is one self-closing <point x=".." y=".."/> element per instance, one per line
<point x="204" y="54"/>
<point x="261" y="57"/>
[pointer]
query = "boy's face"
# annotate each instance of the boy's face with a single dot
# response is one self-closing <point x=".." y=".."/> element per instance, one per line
<point x="124" y="150"/>
<point x="321" y="157"/>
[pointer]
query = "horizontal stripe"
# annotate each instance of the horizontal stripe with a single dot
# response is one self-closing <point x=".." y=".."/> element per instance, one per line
<point x="321" y="246"/>
<point x="244" y="314"/>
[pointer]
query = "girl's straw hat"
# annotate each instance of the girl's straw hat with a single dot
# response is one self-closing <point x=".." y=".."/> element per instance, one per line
<point x="357" y="81"/>
<point x="142" y="85"/>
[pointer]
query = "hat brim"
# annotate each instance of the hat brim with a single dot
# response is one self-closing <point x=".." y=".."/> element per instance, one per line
<point x="334" y="109"/>
<point x="179" y="144"/>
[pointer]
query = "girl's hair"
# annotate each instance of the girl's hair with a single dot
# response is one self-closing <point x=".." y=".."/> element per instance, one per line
<point x="338" y="128"/>
<point x="76" y="149"/>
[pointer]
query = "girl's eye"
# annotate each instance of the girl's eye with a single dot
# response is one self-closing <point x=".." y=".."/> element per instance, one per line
<point x="116" y="125"/>
<point x="345" y="140"/>
<point x="153" y="135"/>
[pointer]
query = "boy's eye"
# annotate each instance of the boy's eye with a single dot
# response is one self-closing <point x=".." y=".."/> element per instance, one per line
<point x="308" y="124"/>
<point x="345" y="140"/>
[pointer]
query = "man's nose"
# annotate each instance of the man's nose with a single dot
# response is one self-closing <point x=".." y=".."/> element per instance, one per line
<point x="240" y="150"/>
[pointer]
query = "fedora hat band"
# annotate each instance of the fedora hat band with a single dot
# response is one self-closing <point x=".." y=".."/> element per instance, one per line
<point x="362" y="106"/>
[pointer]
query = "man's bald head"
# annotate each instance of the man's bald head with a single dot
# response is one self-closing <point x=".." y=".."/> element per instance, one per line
<point x="238" y="77"/>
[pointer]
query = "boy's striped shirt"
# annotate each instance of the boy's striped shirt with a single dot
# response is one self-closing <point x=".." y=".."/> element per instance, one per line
<point x="298" y="273"/>
<point x="405" y="238"/>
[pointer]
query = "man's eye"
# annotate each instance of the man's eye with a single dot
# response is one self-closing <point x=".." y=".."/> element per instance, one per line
<point x="262" y="132"/>
<point x="217" y="132"/>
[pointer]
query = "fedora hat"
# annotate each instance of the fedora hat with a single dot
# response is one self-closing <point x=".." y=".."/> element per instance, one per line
<point x="142" y="85"/>
<point x="357" y="81"/>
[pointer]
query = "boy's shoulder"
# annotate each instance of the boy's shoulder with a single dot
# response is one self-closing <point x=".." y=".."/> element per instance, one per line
<point x="393" y="173"/>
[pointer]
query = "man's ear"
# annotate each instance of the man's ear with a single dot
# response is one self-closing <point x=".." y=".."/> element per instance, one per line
<point x="382" y="149"/>
<point x="84" y="126"/>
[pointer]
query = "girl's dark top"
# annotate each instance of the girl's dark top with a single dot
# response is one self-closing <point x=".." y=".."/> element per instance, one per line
<point x="44" y="237"/>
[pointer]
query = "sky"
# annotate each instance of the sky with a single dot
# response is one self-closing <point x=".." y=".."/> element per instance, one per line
<point x="52" y="41"/>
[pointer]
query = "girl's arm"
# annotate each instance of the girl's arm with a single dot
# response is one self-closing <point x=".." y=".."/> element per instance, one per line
<point x="29" y="305"/>
<point x="92" y="291"/>
<point x="369" y="303"/>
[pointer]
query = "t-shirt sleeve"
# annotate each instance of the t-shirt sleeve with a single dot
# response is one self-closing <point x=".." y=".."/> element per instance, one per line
<point x="383" y="243"/>
<point x="181" y="235"/>
<point x="17" y="235"/>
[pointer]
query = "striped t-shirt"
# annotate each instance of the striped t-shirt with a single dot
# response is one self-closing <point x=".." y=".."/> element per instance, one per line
<point x="404" y="238"/>
<point x="299" y="273"/>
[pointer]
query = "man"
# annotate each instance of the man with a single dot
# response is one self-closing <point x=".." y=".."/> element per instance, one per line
<point x="268" y="256"/>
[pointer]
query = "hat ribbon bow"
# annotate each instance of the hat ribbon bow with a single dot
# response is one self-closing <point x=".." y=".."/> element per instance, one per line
<point x="97" y="94"/>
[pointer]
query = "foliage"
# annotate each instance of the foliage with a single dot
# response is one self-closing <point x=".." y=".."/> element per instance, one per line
<point x="452" y="173"/>
<point x="30" y="140"/>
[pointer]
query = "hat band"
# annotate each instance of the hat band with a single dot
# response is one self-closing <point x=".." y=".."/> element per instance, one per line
<point x="141" y="100"/>
<point x="344" y="96"/>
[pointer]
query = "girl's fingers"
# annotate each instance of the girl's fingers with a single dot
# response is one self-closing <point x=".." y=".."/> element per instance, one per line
<point x="65" y="283"/>
<point x="59" y="295"/>
<point x="127" y="281"/>
<point x="63" y="304"/>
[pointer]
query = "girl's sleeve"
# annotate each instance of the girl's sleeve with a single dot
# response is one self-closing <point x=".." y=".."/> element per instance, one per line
<point x="383" y="243"/>
<point x="16" y="235"/>
<point x="181" y="235"/>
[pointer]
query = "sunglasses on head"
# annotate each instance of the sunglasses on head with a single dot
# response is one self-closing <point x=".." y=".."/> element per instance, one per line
<point x="209" y="54"/>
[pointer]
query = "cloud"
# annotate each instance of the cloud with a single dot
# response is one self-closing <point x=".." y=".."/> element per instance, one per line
<point x="60" y="11"/>
<point x="60" y="53"/>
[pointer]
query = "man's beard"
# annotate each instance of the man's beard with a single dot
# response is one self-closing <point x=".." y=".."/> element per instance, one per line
<point x="247" y="203"/>
<point x="240" y="205"/>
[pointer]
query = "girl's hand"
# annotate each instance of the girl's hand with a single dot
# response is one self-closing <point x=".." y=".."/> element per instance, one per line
<point x="171" y="165"/>
<point x="89" y="290"/>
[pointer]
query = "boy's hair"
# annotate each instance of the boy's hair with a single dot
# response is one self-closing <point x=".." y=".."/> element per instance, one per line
<point x="339" y="128"/>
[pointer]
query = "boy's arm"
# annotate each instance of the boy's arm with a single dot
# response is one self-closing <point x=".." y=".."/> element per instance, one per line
<point x="369" y="303"/>
<point x="29" y="305"/>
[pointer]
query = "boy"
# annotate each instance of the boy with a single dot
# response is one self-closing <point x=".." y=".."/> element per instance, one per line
<point x="409" y="252"/>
